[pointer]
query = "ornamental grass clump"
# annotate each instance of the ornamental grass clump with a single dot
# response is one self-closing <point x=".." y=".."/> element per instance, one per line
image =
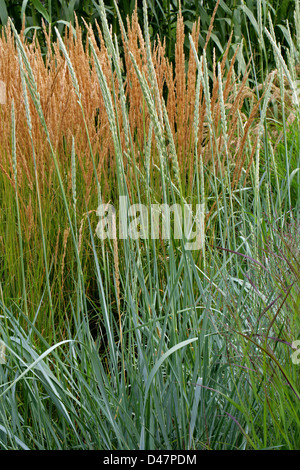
<point x="61" y="79"/>
<point x="139" y="342"/>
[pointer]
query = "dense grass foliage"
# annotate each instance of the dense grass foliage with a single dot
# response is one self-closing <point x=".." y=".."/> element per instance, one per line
<point x="244" y="18"/>
<point x="142" y="343"/>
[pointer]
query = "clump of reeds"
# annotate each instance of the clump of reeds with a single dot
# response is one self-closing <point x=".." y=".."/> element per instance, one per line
<point x="175" y="83"/>
<point x="180" y="355"/>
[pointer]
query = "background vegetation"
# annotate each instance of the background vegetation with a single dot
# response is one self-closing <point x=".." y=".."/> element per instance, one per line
<point x="242" y="17"/>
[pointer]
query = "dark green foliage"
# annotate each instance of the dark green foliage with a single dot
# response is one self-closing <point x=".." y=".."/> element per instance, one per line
<point x="238" y="16"/>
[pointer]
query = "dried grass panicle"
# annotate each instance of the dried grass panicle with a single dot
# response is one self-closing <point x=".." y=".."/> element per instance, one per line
<point x="64" y="117"/>
<point x="210" y="28"/>
<point x="180" y="87"/>
<point x="65" y="241"/>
